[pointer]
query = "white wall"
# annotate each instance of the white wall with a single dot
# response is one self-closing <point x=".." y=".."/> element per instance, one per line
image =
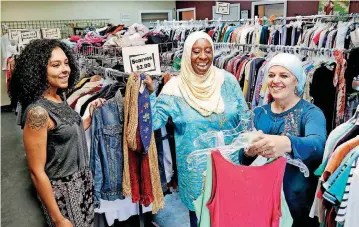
<point x="70" y="10"/>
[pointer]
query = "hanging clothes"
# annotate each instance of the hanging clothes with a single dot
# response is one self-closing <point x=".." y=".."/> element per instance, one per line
<point x="336" y="176"/>
<point x="131" y="144"/>
<point x="202" y="211"/>
<point x="304" y="125"/>
<point x="106" y="150"/>
<point x="351" y="217"/>
<point x="260" y="191"/>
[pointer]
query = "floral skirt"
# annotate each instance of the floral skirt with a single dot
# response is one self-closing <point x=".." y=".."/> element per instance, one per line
<point x="74" y="196"/>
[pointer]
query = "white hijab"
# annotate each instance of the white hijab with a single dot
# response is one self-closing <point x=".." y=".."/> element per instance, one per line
<point x="201" y="92"/>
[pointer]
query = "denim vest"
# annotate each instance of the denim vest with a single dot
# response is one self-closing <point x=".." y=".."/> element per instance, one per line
<point x="106" y="159"/>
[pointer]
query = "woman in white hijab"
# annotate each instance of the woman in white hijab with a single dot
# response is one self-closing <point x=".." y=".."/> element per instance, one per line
<point x="202" y="98"/>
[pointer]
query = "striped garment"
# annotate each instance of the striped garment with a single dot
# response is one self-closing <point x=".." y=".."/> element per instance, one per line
<point x="343" y="205"/>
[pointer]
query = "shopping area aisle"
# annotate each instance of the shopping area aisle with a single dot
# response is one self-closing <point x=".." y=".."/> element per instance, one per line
<point x="19" y="206"/>
<point x="18" y="197"/>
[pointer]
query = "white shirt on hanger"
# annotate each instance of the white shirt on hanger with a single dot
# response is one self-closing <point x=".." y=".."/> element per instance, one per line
<point x="342" y="33"/>
<point x="8" y="48"/>
<point x="167" y="157"/>
<point x="120" y="209"/>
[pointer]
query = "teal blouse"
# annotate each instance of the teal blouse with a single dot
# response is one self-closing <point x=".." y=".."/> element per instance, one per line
<point x="189" y="124"/>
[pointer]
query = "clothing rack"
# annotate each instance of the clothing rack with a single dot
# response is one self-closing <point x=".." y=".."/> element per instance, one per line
<point x="111" y="51"/>
<point x="200" y="21"/>
<point x="353" y="15"/>
<point x="100" y="52"/>
<point x="115" y="74"/>
<point x="280" y="47"/>
<point x="95" y="56"/>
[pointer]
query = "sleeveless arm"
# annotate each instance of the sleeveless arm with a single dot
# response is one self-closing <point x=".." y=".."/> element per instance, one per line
<point x="35" y="142"/>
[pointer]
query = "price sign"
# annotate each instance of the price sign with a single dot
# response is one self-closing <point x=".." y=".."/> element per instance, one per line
<point x="27" y="36"/>
<point x="142" y="62"/>
<point x="14" y="34"/>
<point x="222" y="8"/>
<point x="51" y="33"/>
<point x="142" y="59"/>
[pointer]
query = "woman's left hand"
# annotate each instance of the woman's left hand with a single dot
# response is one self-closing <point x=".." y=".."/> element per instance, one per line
<point x="270" y="146"/>
<point x="97" y="103"/>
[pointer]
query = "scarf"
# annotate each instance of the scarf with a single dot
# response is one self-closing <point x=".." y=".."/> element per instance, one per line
<point x="132" y="175"/>
<point x="201" y="92"/>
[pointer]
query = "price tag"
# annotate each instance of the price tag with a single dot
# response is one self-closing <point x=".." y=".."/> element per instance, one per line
<point x="142" y="59"/>
<point x="27" y="36"/>
<point x="51" y="33"/>
<point x="222" y="8"/>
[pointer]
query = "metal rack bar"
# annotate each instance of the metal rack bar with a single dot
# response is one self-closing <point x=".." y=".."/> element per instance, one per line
<point x="66" y="26"/>
<point x="353" y="15"/>
<point x="280" y="47"/>
<point x="204" y="21"/>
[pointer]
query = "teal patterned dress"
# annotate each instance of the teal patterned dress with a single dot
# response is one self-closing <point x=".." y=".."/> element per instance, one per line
<point x="189" y="124"/>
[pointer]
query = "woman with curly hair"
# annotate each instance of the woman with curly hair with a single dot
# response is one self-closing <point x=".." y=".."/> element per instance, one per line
<point x="54" y="134"/>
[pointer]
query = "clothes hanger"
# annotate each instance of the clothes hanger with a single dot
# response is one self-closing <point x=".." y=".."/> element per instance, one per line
<point x="356" y="116"/>
<point x="243" y="135"/>
<point x="244" y="123"/>
<point x="242" y="140"/>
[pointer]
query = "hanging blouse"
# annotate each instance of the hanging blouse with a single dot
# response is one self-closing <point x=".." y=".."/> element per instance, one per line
<point x="240" y="193"/>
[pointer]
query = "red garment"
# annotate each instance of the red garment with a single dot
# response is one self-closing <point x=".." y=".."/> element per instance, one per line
<point x="317" y="37"/>
<point x="210" y="33"/>
<point x="330" y="219"/>
<point x="75" y="38"/>
<point x="10" y="64"/>
<point x="140" y="175"/>
<point x="245" y="196"/>
<point x="243" y="63"/>
<point x="230" y="65"/>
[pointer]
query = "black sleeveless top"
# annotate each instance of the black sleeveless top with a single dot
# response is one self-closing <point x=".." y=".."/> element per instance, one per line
<point x="67" y="150"/>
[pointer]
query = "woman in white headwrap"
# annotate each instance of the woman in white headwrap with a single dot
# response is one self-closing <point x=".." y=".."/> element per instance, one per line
<point x="294" y="126"/>
<point x="202" y="98"/>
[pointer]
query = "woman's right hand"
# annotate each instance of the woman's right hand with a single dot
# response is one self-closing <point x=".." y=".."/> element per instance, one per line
<point x="64" y="223"/>
<point x="148" y="81"/>
<point x="249" y="152"/>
